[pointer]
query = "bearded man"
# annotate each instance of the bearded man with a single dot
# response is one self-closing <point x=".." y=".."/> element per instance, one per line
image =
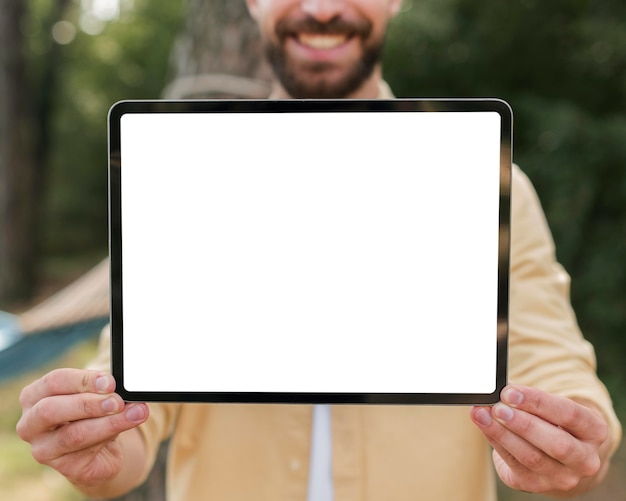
<point x="553" y="432"/>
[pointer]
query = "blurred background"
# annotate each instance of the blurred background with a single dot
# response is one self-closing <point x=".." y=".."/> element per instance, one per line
<point x="560" y="64"/>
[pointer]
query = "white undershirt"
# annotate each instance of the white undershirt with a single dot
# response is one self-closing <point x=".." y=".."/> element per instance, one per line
<point x="320" y="469"/>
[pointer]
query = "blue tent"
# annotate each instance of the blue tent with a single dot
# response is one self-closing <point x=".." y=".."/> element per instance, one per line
<point x="45" y="332"/>
<point x="31" y="351"/>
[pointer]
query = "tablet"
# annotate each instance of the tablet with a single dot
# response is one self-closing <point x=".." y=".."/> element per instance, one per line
<point x="347" y="251"/>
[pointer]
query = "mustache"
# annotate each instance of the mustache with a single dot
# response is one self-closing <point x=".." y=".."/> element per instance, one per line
<point x="336" y="26"/>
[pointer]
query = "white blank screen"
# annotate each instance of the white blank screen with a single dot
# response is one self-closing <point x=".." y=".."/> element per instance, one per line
<point x="310" y="252"/>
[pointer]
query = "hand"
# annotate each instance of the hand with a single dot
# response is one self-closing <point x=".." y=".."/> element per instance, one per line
<point x="72" y="419"/>
<point x="545" y="443"/>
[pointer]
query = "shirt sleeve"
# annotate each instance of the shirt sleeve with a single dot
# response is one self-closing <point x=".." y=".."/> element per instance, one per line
<point x="546" y="348"/>
<point x="162" y="419"/>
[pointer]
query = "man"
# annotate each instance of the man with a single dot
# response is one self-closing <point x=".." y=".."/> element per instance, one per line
<point x="554" y="432"/>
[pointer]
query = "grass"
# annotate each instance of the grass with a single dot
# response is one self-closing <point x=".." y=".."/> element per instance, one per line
<point x="21" y="477"/>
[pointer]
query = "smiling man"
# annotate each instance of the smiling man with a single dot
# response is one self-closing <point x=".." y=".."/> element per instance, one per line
<point x="324" y="49"/>
<point x="553" y="432"/>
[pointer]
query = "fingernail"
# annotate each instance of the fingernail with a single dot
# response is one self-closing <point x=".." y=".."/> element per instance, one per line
<point x="512" y="396"/>
<point x="110" y="405"/>
<point x="136" y="413"/>
<point x="103" y="383"/>
<point x="503" y="412"/>
<point x="483" y="416"/>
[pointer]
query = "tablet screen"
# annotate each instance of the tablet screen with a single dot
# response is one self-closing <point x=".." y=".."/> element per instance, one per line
<point x="310" y="251"/>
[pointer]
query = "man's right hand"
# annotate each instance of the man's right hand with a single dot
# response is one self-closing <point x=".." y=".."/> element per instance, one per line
<point x="75" y="422"/>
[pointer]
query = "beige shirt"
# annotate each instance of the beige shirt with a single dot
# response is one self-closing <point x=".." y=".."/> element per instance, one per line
<point x="261" y="452"/>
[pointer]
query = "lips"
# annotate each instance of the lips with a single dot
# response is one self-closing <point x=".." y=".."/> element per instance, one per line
<point x="311" y="33"/>
<point x="322" y="41"/>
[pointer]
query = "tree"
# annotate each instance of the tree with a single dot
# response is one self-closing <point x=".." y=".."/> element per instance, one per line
<point x="16" y="160"/>
<point x="218" y="53"/>
<point x="25" y="115"/>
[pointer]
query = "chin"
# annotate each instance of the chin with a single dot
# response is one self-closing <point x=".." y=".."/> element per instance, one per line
<point x="321" y="80"/>
<point x="331" y="85"/>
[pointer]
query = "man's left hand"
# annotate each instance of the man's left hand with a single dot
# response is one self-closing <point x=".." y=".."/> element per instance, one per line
<point x="545" y="443"/>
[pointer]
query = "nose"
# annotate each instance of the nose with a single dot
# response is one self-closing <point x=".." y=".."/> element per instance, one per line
<point x="323" y="10"/>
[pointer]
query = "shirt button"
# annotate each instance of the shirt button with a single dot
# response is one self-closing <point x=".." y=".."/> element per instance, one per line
<point x="294" y="464"/>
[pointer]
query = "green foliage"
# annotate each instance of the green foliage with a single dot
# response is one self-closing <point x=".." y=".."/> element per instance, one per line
<point x="562" y="67"/>
<point x="571" y="50"/>
<point x="560" y="64"/>
<point x="579" y="168"/>
<point x="123" y="58"/>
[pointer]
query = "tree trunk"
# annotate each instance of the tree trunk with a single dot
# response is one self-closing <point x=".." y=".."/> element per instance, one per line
<point x="17" y="162"/>
<point x="25" y="115"/>
<point x="218" y="54"/>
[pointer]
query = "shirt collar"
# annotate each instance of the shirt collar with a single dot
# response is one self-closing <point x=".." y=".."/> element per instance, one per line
<point x="384" y="91"/>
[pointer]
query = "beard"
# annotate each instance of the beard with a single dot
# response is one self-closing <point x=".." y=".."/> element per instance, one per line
<point x="315" y="80"/>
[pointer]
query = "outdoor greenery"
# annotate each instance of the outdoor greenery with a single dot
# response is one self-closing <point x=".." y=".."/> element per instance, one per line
<point x="562" y="67"/>
<point x="561" y="64"/>
<point x="122" y="55"/>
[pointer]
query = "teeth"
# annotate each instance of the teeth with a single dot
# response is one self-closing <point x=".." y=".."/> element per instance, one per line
<point x="317" y="41"/>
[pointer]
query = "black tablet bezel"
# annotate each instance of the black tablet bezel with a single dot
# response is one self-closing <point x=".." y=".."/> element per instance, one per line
<point x="308" y="106"/>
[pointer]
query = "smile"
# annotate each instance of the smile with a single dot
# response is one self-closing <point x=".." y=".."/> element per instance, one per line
<point x="324" y="41"/>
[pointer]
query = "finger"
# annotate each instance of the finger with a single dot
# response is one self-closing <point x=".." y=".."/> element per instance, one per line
<point x="92" y="465"/>
<point x="578" y="420"/>
<point x="517" y="476"/>
<point x="51" y="412"/>
<point x="66" y="382"/>
<point x="549" y="439"/>
<point x="523" y="466"/>
<point x="509" y="444"/>
<point x="514" y="475"/>
<point x="85" y="434"/>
